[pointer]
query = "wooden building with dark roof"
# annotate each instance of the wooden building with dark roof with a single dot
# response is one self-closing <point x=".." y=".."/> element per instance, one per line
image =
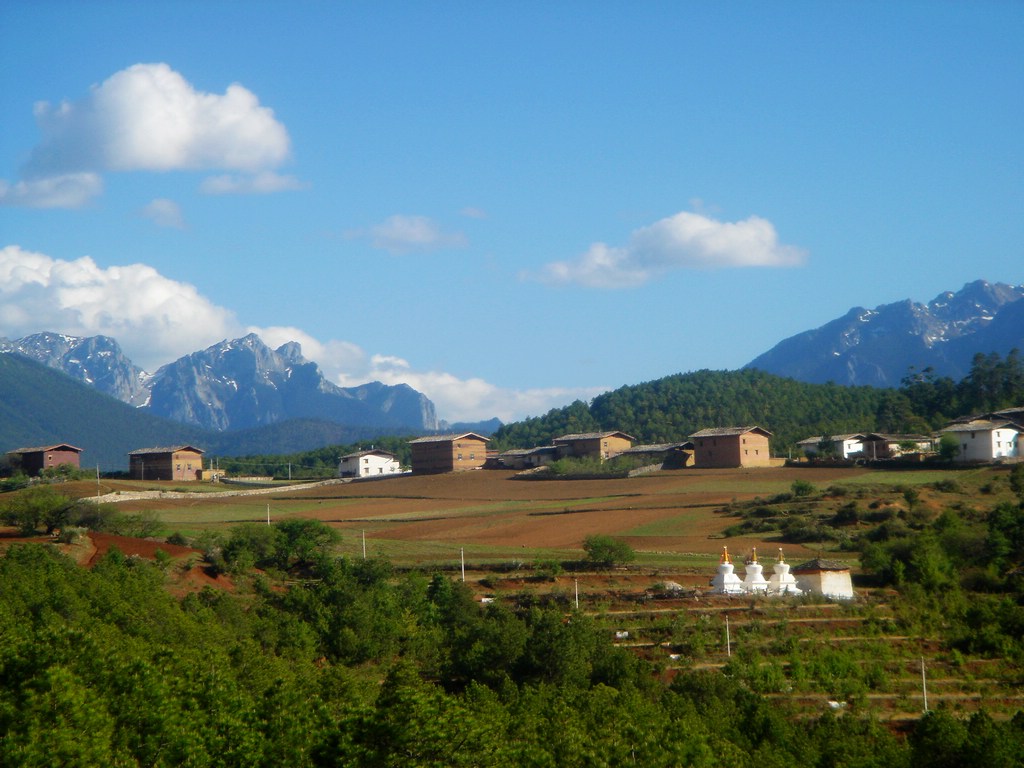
<point x="181" y="462"/>
<point x="729" y="447"/>
<point x="35" y="460"/>
<point x="593" y="445"/>
<point x="448" y="453"/>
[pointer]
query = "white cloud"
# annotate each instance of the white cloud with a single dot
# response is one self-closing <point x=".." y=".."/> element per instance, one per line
<point x="405" y="234"/>
<point x="472" y="212"/>
<point x="153" y="318"/>
<point x="471" y="399"/>
<point x="157" y="320"/>
<point x="332" y="356"/>
<point x="683" y="241"/>
<point x="164" y="213"/>
<point x="257" y="184"/>
<point x="147" y="118"/>
<point x="68" y="190"/>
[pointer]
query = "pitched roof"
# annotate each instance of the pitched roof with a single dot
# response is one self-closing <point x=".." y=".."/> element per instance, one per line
<point x="818" y="564"/>
<point x="980" y="425"/>
<point x="896" y="438"/>
<point x="658" y="447"/>
<point x="165" y="449"/>
<point x="447" y="438"/>
<point x="528" y="451"/>
<point x="592" y="436"/>
<point x="369" y="452"/>
<point x="814" y="440"/>
<point x="729" y="431"/>
<point x="42" y="448"/>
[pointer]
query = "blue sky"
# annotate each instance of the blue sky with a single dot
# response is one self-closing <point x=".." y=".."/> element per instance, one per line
<point x="506" y="205"/>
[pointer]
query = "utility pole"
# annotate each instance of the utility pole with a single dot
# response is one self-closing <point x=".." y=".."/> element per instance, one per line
<point x="728" y="639"/>
<point x="364" y="545"/>
<point x="462" y="556"/>
<point x="924" y="685"/>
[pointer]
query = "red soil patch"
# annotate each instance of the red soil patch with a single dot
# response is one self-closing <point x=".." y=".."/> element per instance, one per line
<point x="129" y="546"/>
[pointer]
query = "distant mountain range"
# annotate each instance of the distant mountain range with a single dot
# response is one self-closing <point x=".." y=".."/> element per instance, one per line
<point x="233" y="385"/>
<point x="43" y="406"/>
<point x="242" y="397"/>
<point x="878" y="347"/>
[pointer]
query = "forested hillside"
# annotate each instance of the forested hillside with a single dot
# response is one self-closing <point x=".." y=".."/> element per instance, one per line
<point x="41" y="406"/>
<point x="359" y="666"/>
<point x="675" y="407"/>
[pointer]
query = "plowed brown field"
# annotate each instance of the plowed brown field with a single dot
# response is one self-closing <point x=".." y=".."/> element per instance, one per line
<point x="495" y="515"/>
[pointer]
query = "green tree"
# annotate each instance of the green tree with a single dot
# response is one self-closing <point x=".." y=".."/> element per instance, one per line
<point x="303" y="541"/>
<point x="801" y="488"/>
<point x="39" y="505"/>
<point x="606" y="551"/>
<point x="949" y="446"/>
<point x="1017" y="481"/>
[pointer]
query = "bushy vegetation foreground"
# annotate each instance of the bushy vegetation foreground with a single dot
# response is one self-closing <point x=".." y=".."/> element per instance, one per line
<point x="358" y="665"/>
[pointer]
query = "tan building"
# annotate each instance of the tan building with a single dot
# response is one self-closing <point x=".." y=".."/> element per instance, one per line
<point x="593" y="445"/>
<point x="728" y="447"/>
<point x="182" y="462"/>
<point x="448" y="453"/>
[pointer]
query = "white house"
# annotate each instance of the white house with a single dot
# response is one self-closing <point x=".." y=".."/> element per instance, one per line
<point x="370" y="463"/>
<point x="825" y="577"/>
<point x="843" y="446"/>
<point x="982" y="440"/>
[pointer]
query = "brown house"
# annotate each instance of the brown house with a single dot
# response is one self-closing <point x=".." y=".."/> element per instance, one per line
<point x="35" y="460"/>
<point x="593" y="445"/>
<point x="731" y="447"/>
<point x="182" y="462"/>
<point x="448" y="453"/>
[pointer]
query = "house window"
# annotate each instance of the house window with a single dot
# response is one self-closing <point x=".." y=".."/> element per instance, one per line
<point x="366" y="461"/>
<point x="460" y="457"/>
<point x="746" y="452"/>
<point x="472" y="456"/>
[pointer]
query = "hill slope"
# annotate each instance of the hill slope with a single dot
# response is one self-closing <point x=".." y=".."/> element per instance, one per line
<point x="672" y="408"/>
<point x="42" y="406"/>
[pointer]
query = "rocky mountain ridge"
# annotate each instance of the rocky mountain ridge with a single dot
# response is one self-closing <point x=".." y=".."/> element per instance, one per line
<point x="880" y="346"/>
<point x="232" y="385"/>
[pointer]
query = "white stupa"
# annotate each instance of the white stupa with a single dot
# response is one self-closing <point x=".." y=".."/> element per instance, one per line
<point x="726" y="582"/>
<point x="753" y="578"/>
<point x="782" y="582"/>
